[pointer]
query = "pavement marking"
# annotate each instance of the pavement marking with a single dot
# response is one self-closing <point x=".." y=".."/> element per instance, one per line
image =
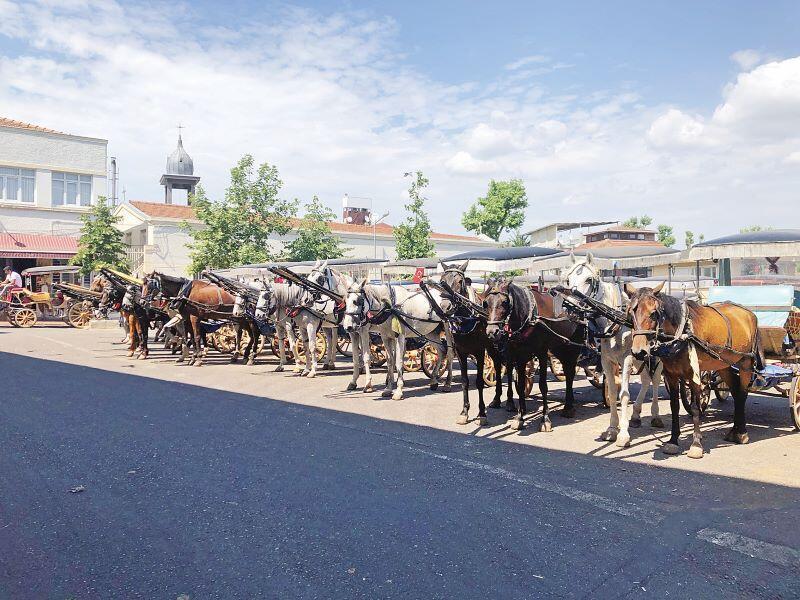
<point x="774" y="553"/>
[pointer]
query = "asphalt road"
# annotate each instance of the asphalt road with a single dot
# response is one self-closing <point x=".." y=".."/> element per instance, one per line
<point x="211" y="494"/>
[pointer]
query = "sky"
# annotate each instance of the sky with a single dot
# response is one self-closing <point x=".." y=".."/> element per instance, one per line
<point x="686" y="111"/>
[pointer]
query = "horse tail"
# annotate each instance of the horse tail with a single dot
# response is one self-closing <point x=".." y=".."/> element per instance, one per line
<point x="758" y="351"/>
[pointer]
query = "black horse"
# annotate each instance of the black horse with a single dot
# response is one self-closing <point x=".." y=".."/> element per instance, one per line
<point x="522" y="319"/>
<point x="469" y="338"/>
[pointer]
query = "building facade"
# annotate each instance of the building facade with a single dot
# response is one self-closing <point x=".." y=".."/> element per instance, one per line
<point x="48" y="179"/>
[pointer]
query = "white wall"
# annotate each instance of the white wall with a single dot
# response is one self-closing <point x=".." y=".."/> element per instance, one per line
<point x="34" y="150"/>
<point x="31" y="219"/>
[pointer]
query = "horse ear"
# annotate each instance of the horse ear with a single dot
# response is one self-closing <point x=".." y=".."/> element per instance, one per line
<point x="363" y="283"/>
<point x="630" y="290"/>
<point x="463" y="266"/>
<point x="324" y="265"/>
<point x="658" y="288"/>
<point x="589" y="258"/>
<point x="572" y="257"/>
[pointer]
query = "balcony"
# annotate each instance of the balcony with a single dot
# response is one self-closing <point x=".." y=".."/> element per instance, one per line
<point x="135" y="258"/>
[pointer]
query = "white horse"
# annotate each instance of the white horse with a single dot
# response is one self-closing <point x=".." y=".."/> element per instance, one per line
<point x="410" y="315"/>
<point x="272" y="304"/>
<point x="615" y="352"/>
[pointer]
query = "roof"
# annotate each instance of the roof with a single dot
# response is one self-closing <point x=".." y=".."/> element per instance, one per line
<point x="51" y="269"/>
<point x="755" y="244"/>
<point x="30" y="245"/>
<point x="567" y="226"/>
<point x="6" y="122"/>
<point x="616" y="243"/>
<point x="623" y="228"/>
<point x="179" y="162"/>
<point x="767" y="236"/>
<point x="159" y="210"/>
<point x="619" y="257"/>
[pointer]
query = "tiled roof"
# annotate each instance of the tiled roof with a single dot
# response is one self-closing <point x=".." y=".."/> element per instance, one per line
<point x="176" y="211"/>
<point x="613" y="243"/>
<point x="5" y="122"/>
<point x="25" y="244"/>
<point x="622" y="228"/>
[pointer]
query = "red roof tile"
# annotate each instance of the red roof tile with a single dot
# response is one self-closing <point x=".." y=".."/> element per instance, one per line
<point x="164" y="211"/>
<point x="28" y="244"/>
<point x="5" y="122"/>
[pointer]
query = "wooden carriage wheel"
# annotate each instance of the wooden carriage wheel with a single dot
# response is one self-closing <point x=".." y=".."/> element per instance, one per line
<point x="322" y="347"/>
<point x="274" y="346"/>
<point x="224" y="338"/>
<point x="794" y="402"/>
<point x="412" y="361"/>
<point x="79" y="314"/>
<point x="705" y="393"/>
<point x="490" y="373"/>
<point x="429" y="359"/>
<point x="246" y="340"/>
<point x="556" y="368"/>
<point x="378" y="354"/>
<point x="343" y="343"/>
<point x="24" y="317"/>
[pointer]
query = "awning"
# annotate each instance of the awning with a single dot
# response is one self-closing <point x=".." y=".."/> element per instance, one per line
<point x="623" y="257"/>
<point x="32" y="245"/>
<point x="501" y="259"/>
<point x="782" y="243"/>
<point x="48" y="270"/>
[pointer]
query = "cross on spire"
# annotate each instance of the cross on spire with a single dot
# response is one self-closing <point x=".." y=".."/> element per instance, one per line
<point x="179" y="129"/>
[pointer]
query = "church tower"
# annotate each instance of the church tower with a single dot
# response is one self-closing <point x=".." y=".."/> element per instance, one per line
<point x="179" y="174"/>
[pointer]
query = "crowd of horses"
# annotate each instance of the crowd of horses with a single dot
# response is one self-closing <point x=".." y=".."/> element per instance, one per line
<point x="621" y="330"/>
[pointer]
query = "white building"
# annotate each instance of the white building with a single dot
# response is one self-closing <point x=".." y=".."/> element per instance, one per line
<point x="48" y="179"/>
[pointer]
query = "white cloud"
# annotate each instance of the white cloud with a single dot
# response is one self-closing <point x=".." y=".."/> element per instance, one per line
<point x="463" y="163"/>
<point x="747" y="59"/>
<point x="675" y="128"/>
<point x="527" y="60"/>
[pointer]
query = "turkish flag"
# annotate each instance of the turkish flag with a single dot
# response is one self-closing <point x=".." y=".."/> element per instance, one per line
<point x="419" y="274"/>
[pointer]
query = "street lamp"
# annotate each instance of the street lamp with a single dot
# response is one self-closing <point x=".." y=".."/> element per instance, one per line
<point x="374" y="233"/>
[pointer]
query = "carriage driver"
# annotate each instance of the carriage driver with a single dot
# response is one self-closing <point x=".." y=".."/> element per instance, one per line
<point x="12" y="282"/>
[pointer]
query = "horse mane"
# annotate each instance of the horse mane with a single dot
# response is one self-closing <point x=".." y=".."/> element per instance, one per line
<point x="522" y="303"/>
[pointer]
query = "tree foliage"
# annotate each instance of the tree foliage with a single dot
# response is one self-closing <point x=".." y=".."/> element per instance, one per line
<point x="100" y="244"/>
<point x="638" y="222"/>
<point x="688" y="238"/>
<point x="315" y="240"/>
<point x="412" y="238"/>
<point x="518" y="239"/>
<point x="665" y="235"/>
<point x="754" y="228"/>
<point x="238" y="228"/>
<point x="502" y="209"/>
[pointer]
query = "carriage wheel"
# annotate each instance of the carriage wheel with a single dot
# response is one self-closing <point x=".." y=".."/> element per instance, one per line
<point x="10" y="313"/>
<point x="378" y="355"/>
<point x="79" y="314"/>
<point x="429" y="356"/>
<point x="274" y="346"/>
<point x="490" y="371"/>
<point x="343" y="343"/>
<point x="794" y="402"/>
<point x="225" y="338"/>
<point x="24" y="317"/>
<point x="705" y="393"/>
<point x="721" y="390"/>
<point x="412" y="361"/>
<point x="557" y="368"/>
<point x="322" y="347"/>
<point x="530" y="374"/>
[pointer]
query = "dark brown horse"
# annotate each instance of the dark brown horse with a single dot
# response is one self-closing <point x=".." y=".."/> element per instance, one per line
<point x="199" y="301"/>
<point x="689" y="338"/>
<point x="522" y="319"/>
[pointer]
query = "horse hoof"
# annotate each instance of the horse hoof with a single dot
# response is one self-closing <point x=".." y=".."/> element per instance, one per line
<point x="495" y="404"/>
<point x="351" y="386"/>
<point x="446" y="389"/>
<point x="695" y="451"/>
<point x="434" y="386"/>
<point x="130" y="354"/>
<point x="635" y="422"/>
<point x="279" y="369"/>
<point x="609" y="435"/>
<point x="234" y="359"/>
<point x="516" y="424"/>
<point x="462" y="420"/>
<point x="737" y="438"/>
<point x="367" y="389"/>
<point x="397" y="396"/>
<point x="483" y="421"/>
<point x="671" y="449"/>
<point x="384" y="393"/>
<point x="311" y="374"/>
<point x="546" y="426"/>
<point x="656" y="423"/>
<point x="251" y="363"/>
<point x="568" y="412"/>
<point x="623" y="440"/>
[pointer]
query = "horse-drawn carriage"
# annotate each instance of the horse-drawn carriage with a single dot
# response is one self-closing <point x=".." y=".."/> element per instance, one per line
<point x="20" y="306"/>
<point x="23" y="307"/>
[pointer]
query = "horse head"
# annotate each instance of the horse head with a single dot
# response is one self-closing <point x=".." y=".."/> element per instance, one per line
<point x="356" y="306"/>
<point x="498" y="304"/>
<point x="239" y="303"/>
<point x="583" y="275"/>
<point x="453" y="277"/>
<point x="648" y="310"/>
<point x="266" y="302"/>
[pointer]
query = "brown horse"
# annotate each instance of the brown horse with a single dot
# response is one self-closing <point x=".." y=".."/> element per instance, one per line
<point x="203" y="300"/>
<point x="690" y="338"/>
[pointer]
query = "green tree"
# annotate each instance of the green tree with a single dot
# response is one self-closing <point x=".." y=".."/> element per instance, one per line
<point x="413" y="238"/>
<point x="754" y="228"/>
<point x="100" y="244"/>
<point x="518" y="239"/>
<point x="665" y="235"/>
<point x="314" y="237"/>
<point x="688" y="238"/>
<point x="638" y="222"/>
<point x="502" y="209"/>
<point x="237" y="230"/>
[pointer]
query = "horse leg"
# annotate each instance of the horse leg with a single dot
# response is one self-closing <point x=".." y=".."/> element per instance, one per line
<point x="366" y="360"/>
<point x="696" y="449"/>
<point x="463" y="418"/>
<point x="311" y="349"/>
<point x="517" y="422"/>
<point x="355" y="344"/>
<point x="237" y="343"/>
<point x="389" y="346"/>
<point x="198" y="351"/>
<point x="252" y="348"/>
<point x="610" y="370"/>
<point x="132" y="335"/>
<point x="644" y="385"/>
<point x="448" y="336"/>
<point x="494" y="356"/>
<point x="145" y="325"/>
<point x="673" y="385"/>
<point x="280" y="331"/>
<point x="570" y="366"/>
<point x="332" y="336"/>
<point x="434" y="381"/>
<point x="655" y="419"/>
<point x="292" y="345"/>
<point x="624" y="436"/>
<point x="738" y="386"/>
<point x="479" y="383"/>
<point x="510" y="385"/>
<point x="546" y="425"/>
<point x="399" y="355"/>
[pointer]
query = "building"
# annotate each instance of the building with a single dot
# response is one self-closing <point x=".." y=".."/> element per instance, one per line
<point x="619" y="235"/>
<point x="562" y="234"/>
<point x="48" y="179"/>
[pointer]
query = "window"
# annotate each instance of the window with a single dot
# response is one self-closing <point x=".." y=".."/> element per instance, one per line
<point x="17" y="185"/>
<point x="72" y="189"/>
<point x="640" y="236"/>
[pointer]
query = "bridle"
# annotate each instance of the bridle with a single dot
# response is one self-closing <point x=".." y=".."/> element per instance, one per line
<point x="657" y="316"/>
<point x="595" y="278"/>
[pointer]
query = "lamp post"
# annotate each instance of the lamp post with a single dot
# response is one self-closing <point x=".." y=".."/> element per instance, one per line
<point x="374" y="233"/>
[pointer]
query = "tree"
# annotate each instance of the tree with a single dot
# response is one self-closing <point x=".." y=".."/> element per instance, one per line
<point x="314" y="238"/>
<point x="100" y="244"/>
<point x="665" y="235"/>
<point x="754" y="228"/>
<point x="688" y="238"/>
<point x="503" y="209"/>
<point x="412" y="238"/>
<point x="518" y="239"/>
<point x="237" y="230"/>
<point x="638" y="222"/>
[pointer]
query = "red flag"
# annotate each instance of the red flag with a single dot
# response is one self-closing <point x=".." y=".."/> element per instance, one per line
<point x="419" y="274"/>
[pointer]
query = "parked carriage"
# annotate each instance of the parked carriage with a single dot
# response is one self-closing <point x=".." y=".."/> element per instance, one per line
<point x="23" y="307"/>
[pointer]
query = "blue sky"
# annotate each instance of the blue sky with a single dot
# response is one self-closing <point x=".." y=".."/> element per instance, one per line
<point x="689" y="111"/>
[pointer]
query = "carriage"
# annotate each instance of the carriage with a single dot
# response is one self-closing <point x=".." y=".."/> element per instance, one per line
<point x="20" y="307"/>
<point x="23" y="307"/>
